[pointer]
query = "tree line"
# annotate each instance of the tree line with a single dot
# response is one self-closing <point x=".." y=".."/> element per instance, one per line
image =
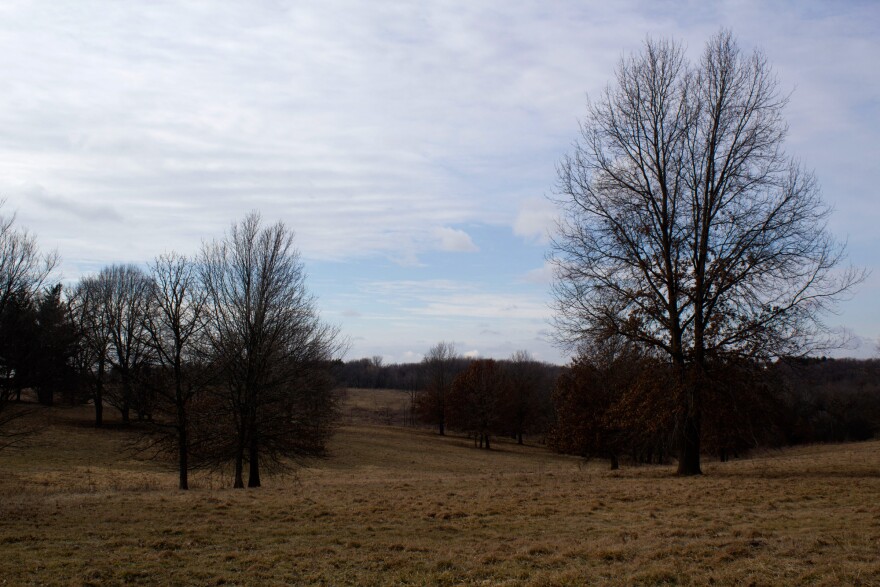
<point x="613" y="401"/>
<point x="222" y="355"/>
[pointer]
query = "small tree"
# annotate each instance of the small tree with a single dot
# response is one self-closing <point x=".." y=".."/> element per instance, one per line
<point x="90" y="316"/>
<point x="56" y="340"/>
<point x="175" y="322"/>
<point x="525" y="392"/>
<point x="687" y="229"/>
<point x="589" y="396"/>
<point x="126" y="296"/>
<point x="23" y="268"/>
<point x="18" y="344"/>
<point x="271" y="351"/>
<point x="440" y="367"/>
<point x="23" y="271"/>
<point x="475" y="398"/>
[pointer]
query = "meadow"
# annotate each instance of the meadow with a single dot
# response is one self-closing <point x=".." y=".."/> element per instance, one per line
<point x="393" y="505"/>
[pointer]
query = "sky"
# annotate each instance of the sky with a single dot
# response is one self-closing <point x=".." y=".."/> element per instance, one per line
<point x="411" y="146"/>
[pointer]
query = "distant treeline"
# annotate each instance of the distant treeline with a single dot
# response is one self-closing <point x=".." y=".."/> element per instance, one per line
<point x="613" y="410"/>
<point x="373" y="373"/>
<point x="483" y="397"/>
<point x="831" y="400"/>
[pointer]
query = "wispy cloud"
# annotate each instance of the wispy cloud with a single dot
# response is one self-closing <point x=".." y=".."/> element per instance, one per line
<point x="454" y="240"/>
<point x="450" y="299"/>
<point x="78" y="209"/>
<point x="542" y="275"/>
<point x="535" y="220"/>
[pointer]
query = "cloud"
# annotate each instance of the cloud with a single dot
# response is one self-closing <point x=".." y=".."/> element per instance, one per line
<point x="414" y="289"/>
<point x="472" y="354"/>
<point x="351" y="313"/>
<point x="484" y="305"/>
<point x="411" y="357"/>
<point x="452" y="299"/>
<point x="454" y="240"/>
<point x="80" y="210"/>
<point x="535" y="220"/>
<point x="542" y="275"/>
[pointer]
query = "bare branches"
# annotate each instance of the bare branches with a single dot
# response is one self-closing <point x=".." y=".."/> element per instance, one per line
<point x="441" y="367"/>
<point x="685" y="225"/>
<point x="268" y="345"/>
<point x="23" y="272"/>
<point x="174" y="322"/>
<point x="23" y="268"/>
<point x="686" y="228"/>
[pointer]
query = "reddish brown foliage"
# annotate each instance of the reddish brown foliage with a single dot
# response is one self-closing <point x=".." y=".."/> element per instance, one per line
<point x="475" y="399"/>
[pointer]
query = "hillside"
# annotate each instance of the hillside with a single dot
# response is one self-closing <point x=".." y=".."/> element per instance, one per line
<point x="394" y="505"/>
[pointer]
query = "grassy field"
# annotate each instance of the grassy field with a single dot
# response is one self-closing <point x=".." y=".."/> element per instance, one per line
<point x="402" y="506"/>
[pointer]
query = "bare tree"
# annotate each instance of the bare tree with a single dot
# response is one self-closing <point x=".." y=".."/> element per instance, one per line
<point x="23" y="271"/>
<point x="126" y="290"/>
<point x="90" y="316"/>
<point x="23" y="268"/>
<point x="521" y="404"/>
<point x="687" y="228"/>
<point x="440" y="368"/>
<point x="269" y="346"/>
<point x="475" y="398"/>
<point x="174" y="323"/>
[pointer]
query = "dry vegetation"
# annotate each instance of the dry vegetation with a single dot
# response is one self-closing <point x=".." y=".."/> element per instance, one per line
<point x="402" y="506"/>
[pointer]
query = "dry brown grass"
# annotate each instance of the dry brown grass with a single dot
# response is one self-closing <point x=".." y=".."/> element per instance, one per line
<point x="399" y="506"/>
<point x="388" y="407"/>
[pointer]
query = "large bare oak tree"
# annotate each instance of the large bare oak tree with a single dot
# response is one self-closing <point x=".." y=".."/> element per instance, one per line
<point x="687" y="228"/>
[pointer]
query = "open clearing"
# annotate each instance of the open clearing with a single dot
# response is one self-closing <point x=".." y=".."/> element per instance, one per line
<point x="395" y="505"/>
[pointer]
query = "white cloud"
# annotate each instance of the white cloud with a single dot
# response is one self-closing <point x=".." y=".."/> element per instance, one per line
<point x="542" y="275"/>
<point x="451" y="299"/>
<point x="472" y="354"/>
<point x="485" y="305"/>
<point x="454" y="240"/>
<point x="535" y="220"/>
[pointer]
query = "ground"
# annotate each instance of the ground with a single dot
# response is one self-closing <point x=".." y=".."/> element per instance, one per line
<point x="399" y="506"/>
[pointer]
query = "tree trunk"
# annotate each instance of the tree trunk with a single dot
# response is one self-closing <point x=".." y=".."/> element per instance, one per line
<point x="182" y="448"/>
<point x="239" y="468"/>
<point x="45" y="396"/>
<point x="487" y="442"/>
<point x="615" y="463"/>
<point x="254" y="465"/>
<point x="689" y="439"/>
<point x="99" y="405"/>
<point x="519" y="439"/>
